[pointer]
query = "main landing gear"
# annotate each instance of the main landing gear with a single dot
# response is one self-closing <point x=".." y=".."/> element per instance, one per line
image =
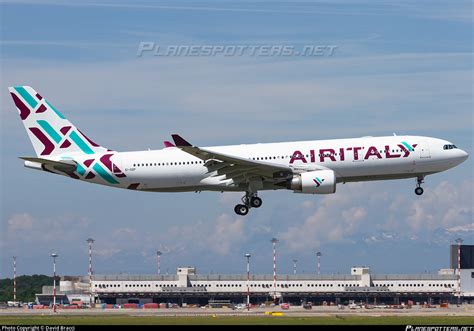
<point x="419" y="189"/>
<point x="249" y="200"/>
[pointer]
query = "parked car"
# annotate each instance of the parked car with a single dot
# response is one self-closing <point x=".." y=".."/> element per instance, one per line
<point x="354" y="306"/>
<point x="241" y="306"/>
<point x="307" y="305"/>
<point x="285" y="306"/>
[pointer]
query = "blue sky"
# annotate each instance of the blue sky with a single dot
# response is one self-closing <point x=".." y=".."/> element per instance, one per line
<point x="399" y="67"/>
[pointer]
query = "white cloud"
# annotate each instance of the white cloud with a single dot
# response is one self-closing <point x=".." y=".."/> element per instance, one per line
<point x="106" y="253"/>
<point x="443" y="206"/>
<point x="25" y="227"/>
<point x="20" y="222"/>
<point x="388" y="235"/>
<point x="227" y="231"/>
<point x="358" y="209"/>
<point x="371" y="240"/>
<point x="335" y="219"/>
<point x="27" y="234"/>
<point x="218" y="236"/>
<point x="307" y="204"/>
<point x="125" y="234"/>
<point x="461" y="228"/>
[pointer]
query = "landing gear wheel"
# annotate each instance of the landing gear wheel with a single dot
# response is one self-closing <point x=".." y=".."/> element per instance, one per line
<point x="255" y="202"/>
<point x="241" y="210"/>
<point x="418" y="191"/>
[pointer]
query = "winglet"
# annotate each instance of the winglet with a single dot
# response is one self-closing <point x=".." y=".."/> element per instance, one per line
<point x="168" y="144"/>
<point x="180" y="142"/>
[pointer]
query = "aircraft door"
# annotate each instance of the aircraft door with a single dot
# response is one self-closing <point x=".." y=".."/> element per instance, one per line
<point x="424" y="150"/>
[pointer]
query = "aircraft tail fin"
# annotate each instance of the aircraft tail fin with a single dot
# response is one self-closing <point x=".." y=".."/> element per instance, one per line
<point x="49" y="131"/>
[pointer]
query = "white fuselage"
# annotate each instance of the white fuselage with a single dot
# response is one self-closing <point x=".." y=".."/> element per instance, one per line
<point x="357" y="159"/>
<point x="311" y="167"/>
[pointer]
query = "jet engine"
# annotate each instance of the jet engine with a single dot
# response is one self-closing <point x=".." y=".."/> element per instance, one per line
<point x="313" y="182"/>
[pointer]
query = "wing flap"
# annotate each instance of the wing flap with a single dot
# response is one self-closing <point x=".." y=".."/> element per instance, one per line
<point x="235" y="170"/>
<point x="267" y="168"/>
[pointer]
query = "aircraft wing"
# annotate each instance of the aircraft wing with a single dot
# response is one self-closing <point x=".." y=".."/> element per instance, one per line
<point x="237" y="168"/>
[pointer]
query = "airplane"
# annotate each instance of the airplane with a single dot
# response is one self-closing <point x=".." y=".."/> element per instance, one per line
<point x="307" y="167"/>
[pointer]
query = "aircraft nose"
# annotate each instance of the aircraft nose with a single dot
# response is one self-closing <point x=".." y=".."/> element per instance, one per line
<point x="463" y="155"/>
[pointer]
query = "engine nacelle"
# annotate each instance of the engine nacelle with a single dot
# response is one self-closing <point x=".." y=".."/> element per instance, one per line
<point x="314" y="182"/>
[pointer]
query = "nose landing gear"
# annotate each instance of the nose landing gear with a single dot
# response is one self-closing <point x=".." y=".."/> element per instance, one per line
<point x="249" y="200"/>
<point x="419" y="189"/>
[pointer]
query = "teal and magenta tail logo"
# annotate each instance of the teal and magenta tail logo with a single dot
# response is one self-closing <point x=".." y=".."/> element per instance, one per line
<point x="53" y="135"/>
<point x="318" y="181"/>
<point x="48" y="126"/>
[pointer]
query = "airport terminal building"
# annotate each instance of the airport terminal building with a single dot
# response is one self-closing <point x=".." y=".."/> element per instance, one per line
<point x="189" y="287"/>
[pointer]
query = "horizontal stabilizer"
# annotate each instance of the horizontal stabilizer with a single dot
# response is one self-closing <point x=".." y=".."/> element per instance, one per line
<point x="63" y="165"/>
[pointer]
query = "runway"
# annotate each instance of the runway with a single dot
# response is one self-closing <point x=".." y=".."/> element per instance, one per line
<point x="296" y="311"/>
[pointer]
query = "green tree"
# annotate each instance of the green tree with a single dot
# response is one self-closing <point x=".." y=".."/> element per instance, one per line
<point x="26" y="287"/>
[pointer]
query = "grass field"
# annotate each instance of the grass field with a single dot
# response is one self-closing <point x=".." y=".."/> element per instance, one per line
<point x="239" y="320"/>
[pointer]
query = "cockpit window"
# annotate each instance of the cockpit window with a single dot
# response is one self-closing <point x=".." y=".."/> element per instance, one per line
<point x="449" y="146"/>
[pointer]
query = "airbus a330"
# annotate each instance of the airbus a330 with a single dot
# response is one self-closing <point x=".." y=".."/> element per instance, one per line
<point x="309" y="167"/>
